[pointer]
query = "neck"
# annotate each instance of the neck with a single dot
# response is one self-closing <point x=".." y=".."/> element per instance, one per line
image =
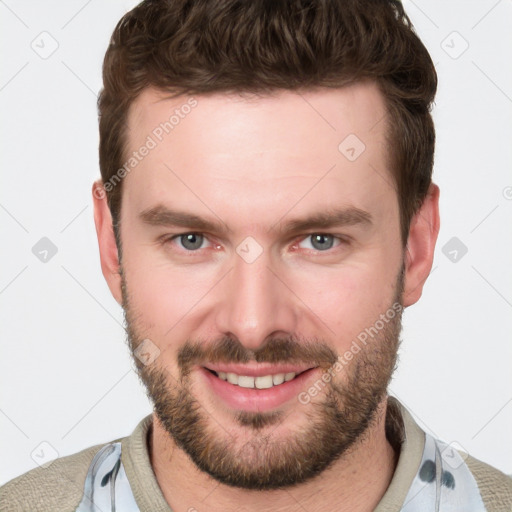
<point x="355" y="482"/>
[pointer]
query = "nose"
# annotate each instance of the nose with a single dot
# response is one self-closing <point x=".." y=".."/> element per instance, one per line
<point x="256" y="303"/>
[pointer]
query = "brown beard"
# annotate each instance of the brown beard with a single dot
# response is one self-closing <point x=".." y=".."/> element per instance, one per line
<point x="266" y="463"/>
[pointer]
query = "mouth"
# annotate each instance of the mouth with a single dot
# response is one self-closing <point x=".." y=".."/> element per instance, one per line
<point x="257" y="393"/>
<point x="257" y="382"/>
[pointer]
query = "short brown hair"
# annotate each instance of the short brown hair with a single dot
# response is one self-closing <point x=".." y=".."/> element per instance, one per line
<point x="261" y="46"/>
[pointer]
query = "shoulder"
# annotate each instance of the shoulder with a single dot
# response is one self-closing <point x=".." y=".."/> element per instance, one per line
<point x="58" y="486"/>
<point x="495" y="487"/>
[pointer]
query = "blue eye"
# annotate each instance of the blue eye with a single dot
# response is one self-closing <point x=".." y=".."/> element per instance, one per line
<point x="318" y="242"/>
<point x="191" y="241"/>
<point x="321" y="242"/>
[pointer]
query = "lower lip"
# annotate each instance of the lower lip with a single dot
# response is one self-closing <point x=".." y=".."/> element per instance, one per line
<point x="258" y="400"/>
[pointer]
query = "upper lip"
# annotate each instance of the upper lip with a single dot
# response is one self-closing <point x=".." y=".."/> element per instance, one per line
<point x="259" y="370"/>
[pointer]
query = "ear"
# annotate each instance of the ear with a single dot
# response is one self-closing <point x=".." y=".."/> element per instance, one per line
<point x="420" y="246"/>
<point x="106" y="240"/>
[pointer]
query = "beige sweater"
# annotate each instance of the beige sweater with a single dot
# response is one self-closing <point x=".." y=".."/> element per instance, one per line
<point x="59" y="487"/>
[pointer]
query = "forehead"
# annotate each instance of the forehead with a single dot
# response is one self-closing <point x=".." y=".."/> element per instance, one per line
<point x="323" y="112"/>
<point x="326" y="144"/>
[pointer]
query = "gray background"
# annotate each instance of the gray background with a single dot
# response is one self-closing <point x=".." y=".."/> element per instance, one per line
<point x="67" y="381"/>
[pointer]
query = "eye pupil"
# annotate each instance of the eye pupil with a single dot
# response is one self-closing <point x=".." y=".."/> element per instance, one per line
<point x="320" y="241"/>
<point x="191" y="241"/>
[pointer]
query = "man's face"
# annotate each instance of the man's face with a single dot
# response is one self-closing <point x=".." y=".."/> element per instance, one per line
<point x="251" y="289"/>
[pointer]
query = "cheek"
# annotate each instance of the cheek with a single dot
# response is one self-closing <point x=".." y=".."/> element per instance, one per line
<point x="347" y="300"/>
<point x="164" y="298"/>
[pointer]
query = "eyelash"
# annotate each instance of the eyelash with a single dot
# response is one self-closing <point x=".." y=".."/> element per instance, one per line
<point x="342" y="241"/>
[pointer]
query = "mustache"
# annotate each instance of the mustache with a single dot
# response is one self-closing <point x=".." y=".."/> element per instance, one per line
<point x="276" y="350"/>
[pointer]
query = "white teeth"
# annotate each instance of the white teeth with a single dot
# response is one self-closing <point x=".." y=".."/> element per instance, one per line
<point x="263" y="382"/>
<point x="278" y="379"/>
<point x="245" y="381"/>
<point x="232" y="378"/>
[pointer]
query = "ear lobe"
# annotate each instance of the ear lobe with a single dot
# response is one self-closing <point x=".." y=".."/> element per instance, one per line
<point x="420" y="246"/>
<point x="106" y="240"/>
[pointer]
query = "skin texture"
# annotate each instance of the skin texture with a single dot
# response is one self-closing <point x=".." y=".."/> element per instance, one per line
<point x="252" y="164"/>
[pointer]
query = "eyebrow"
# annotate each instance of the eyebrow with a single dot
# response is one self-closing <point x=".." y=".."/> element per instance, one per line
<point x="337" y="217"/>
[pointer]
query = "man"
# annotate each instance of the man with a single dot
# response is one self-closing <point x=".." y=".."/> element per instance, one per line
<point x="265" y="213"/>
